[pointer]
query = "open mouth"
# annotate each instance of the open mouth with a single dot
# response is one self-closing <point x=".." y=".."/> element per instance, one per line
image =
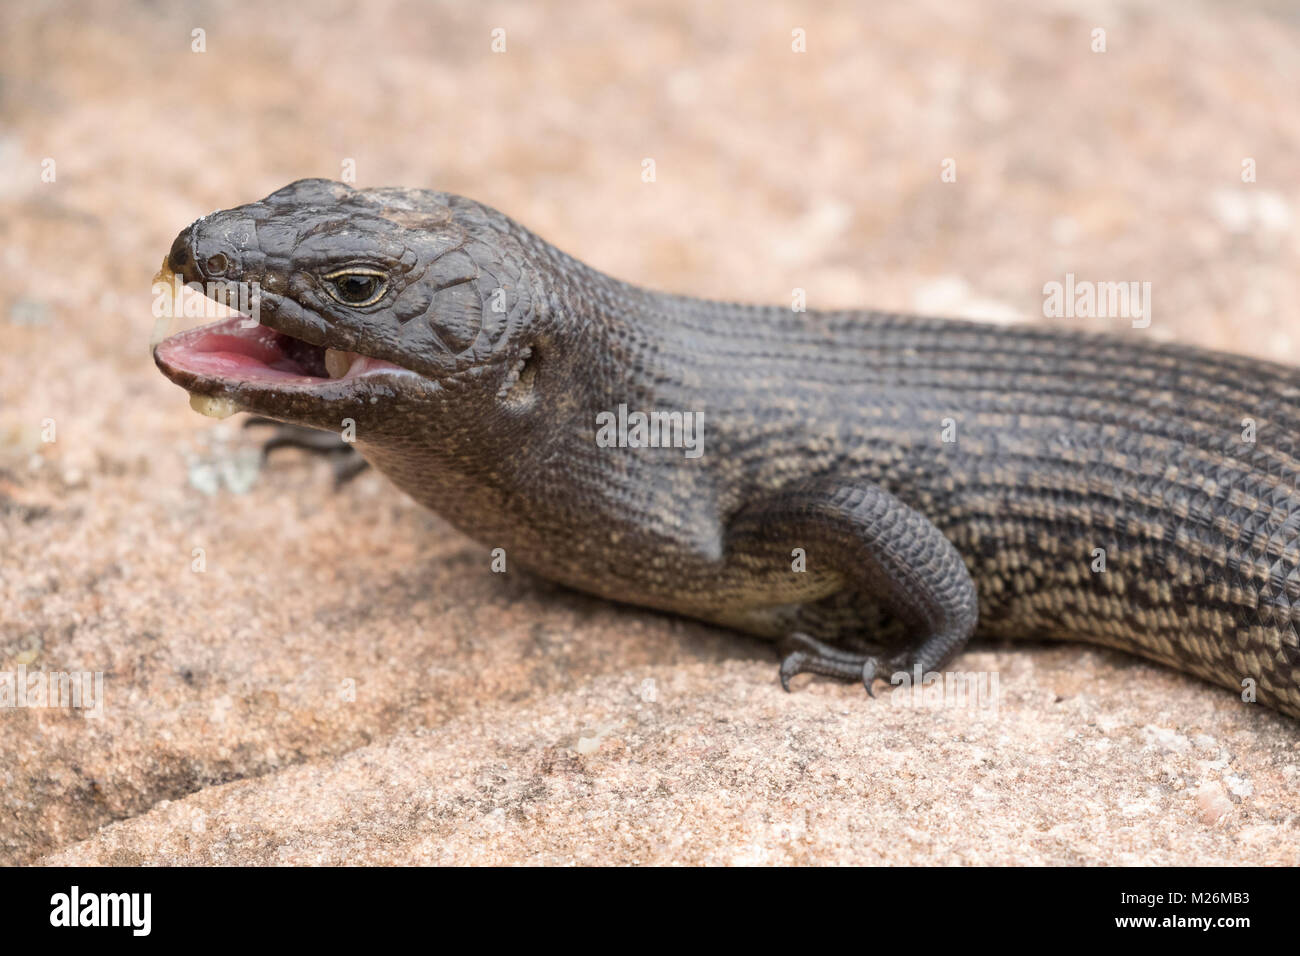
<point x="228" y="362"/>
<point x="237" y="349"/>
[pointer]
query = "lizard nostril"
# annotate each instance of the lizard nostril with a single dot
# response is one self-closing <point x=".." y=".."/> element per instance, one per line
<point x="216" y="264"/>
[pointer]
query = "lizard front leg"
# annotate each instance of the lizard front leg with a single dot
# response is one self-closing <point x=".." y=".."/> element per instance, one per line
<point x="878" y="545"/>
<point x="345" y="460"/>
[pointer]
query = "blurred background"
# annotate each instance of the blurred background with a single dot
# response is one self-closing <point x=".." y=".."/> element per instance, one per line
<point x="1115" y="155"/>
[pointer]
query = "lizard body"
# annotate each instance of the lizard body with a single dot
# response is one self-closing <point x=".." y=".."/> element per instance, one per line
<point x="937" y="476"/>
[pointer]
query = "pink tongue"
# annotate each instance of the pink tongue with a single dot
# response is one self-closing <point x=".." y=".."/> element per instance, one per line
<point x="248" y="355"/>
<point x="238" y="365"/>
<point x="258" y="348"/>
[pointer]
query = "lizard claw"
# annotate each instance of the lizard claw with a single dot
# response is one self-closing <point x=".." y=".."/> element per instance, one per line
<point x="869" y="668"/>
<point x="794" y="656"/>
<point x="789" y="668"/>
<point x="803" y="654"/>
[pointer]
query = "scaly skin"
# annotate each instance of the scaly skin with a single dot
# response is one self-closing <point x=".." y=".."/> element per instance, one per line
<point x="822" y="432"/>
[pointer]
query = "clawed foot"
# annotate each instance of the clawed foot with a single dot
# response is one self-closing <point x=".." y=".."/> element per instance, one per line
<point x="801" y="654"/>
<point x="345" y="461"/>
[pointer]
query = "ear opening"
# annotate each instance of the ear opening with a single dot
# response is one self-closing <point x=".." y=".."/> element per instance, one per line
<point x="517" y="390"/>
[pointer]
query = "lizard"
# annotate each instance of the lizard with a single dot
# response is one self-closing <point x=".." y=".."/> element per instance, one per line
<point x="870" y="489"/>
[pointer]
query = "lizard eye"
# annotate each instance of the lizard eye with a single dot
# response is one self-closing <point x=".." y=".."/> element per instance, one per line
<point x="356" y="286"/>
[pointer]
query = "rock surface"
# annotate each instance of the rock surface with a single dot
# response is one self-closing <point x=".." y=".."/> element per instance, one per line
<point x="345" y="681"/>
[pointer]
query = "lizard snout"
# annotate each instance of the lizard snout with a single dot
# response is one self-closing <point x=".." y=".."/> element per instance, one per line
<point x="181" y="257"/>
<point x="213" y="249"/>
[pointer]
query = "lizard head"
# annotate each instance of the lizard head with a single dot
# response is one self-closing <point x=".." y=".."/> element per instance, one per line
<point x="353" y="302"/>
